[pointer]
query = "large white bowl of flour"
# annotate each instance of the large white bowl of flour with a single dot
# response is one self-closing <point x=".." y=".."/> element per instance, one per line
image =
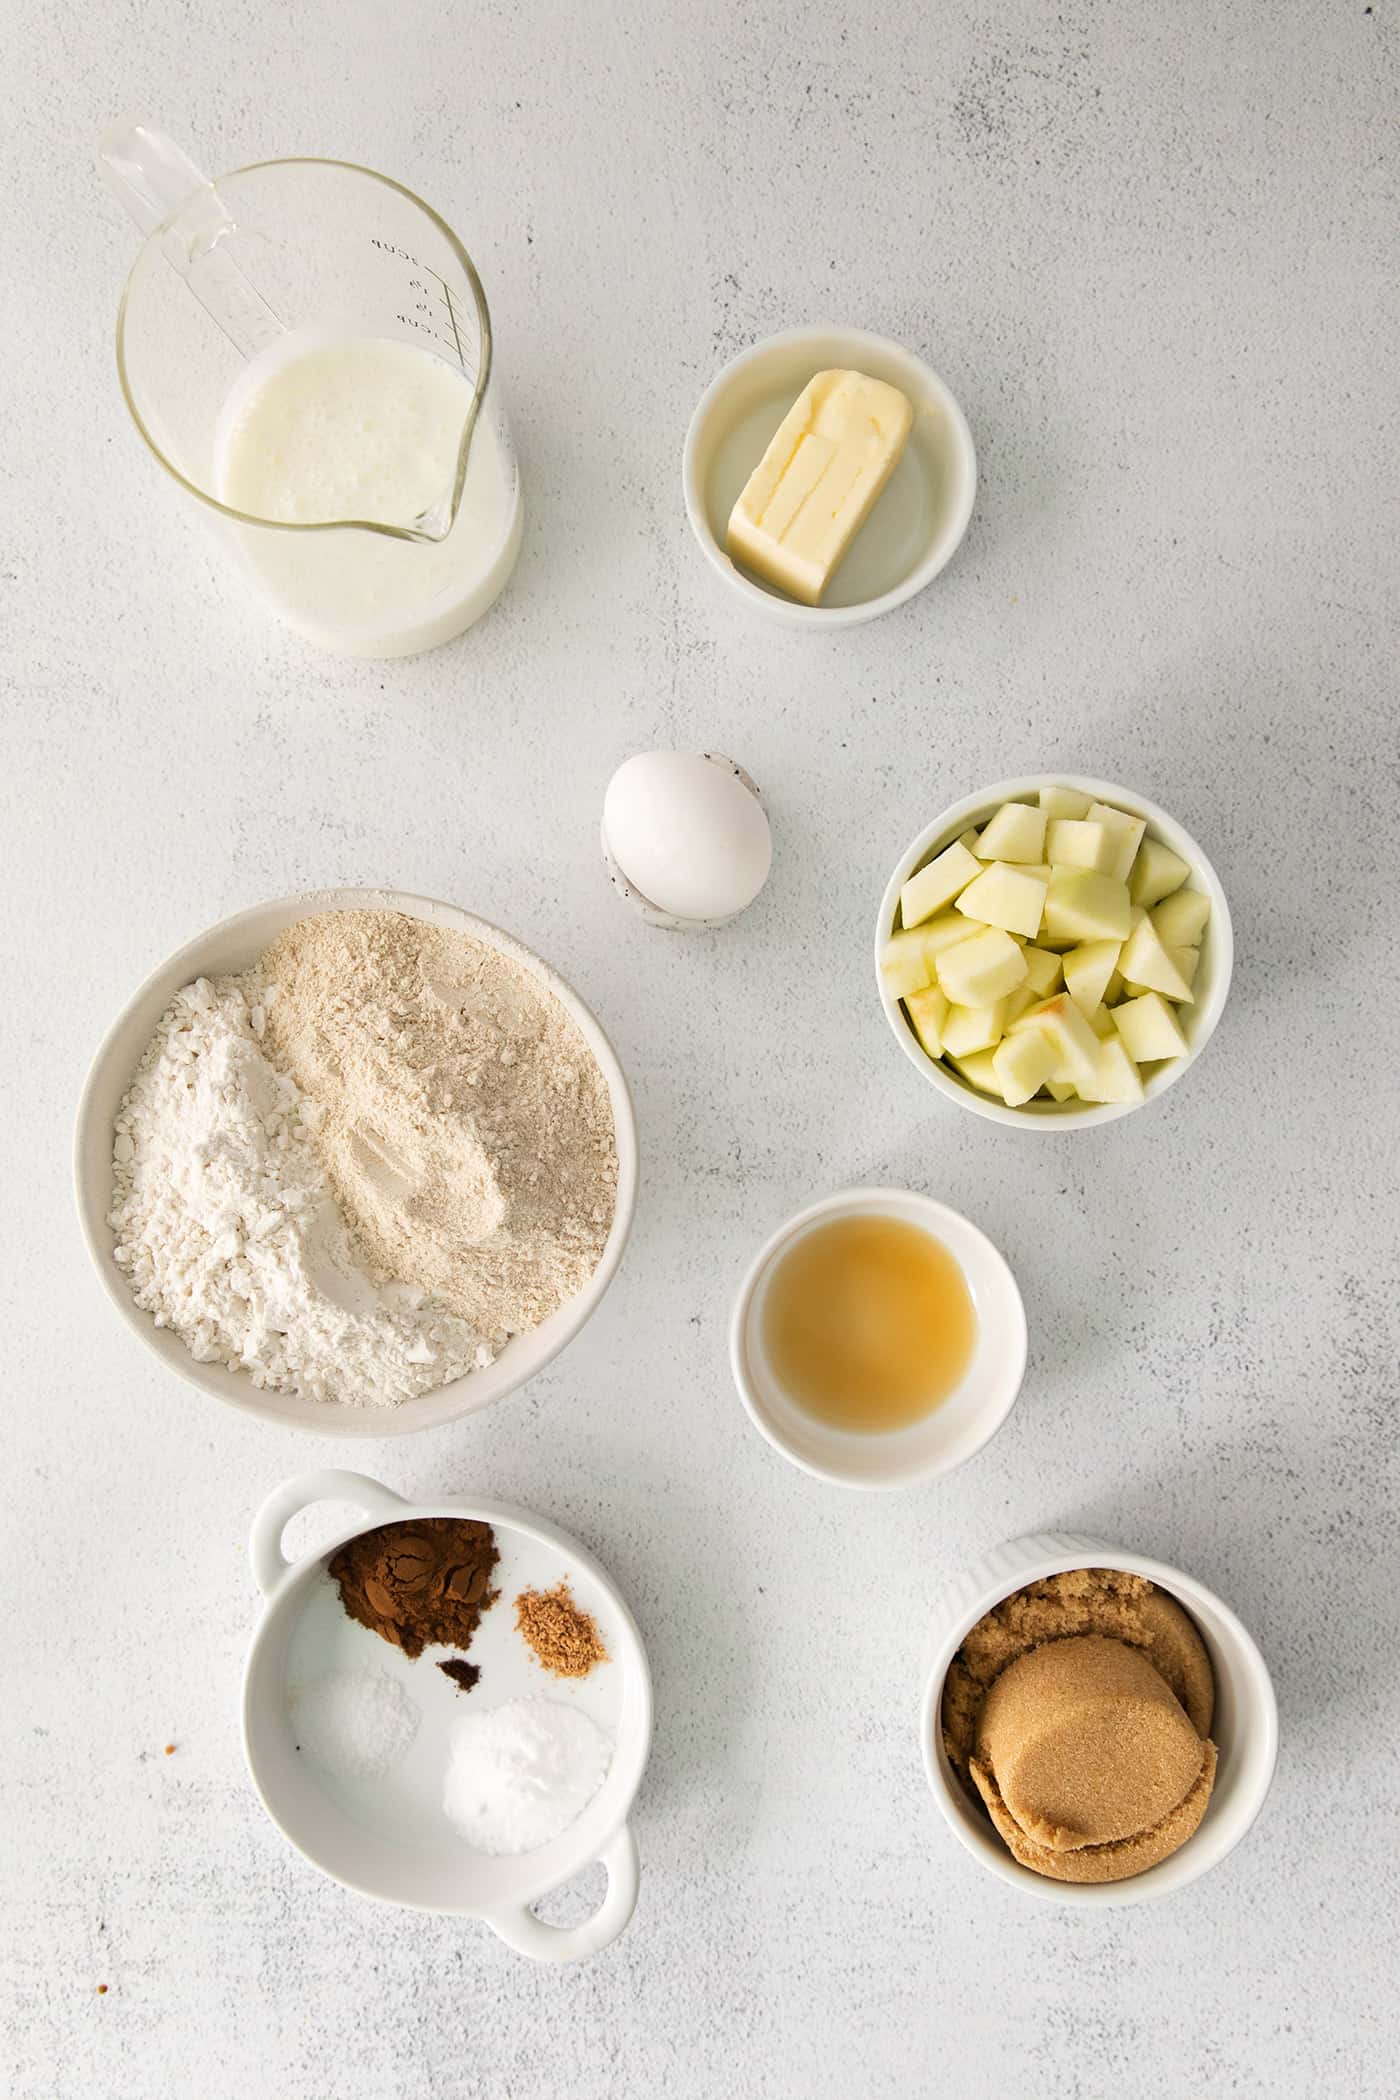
<point x="234" y="946"/>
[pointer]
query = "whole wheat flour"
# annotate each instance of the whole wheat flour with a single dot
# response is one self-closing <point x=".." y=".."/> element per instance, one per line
<point x="465" y="1125"/>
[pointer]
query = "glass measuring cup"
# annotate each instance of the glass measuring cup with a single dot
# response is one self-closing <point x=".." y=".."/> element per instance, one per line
<point x="315" y="264"/>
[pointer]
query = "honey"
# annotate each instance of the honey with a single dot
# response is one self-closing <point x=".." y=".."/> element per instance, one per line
<point x="868" y="1323"/>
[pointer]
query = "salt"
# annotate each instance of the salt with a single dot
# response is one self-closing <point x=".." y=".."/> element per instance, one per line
<point x="522" y="1773"/>
<point x="355" y="1724"/>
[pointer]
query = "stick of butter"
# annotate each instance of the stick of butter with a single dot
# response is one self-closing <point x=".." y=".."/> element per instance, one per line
<point x="814" y="487"/>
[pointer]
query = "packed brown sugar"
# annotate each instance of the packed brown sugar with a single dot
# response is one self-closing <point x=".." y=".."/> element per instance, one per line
<point x="1078" y="1712"/>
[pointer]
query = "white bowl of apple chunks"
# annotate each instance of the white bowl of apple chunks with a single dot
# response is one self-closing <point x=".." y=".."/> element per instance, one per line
<point x="1053" y="951"/>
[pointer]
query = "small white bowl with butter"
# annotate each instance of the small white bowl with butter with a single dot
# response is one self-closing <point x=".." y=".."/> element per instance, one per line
<point x="920" y="515"/>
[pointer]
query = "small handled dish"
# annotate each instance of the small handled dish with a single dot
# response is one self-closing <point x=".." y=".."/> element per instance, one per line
<point x="387" y="1837"/>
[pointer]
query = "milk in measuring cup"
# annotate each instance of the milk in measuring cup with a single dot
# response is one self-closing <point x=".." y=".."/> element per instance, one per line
<point x="367" y="428"/>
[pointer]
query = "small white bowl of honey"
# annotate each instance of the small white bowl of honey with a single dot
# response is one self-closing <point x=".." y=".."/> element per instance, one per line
<point x="878" y="1339"/>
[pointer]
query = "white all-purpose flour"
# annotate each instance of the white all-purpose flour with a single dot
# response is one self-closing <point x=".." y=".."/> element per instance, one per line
<point x="229" y="1233"/>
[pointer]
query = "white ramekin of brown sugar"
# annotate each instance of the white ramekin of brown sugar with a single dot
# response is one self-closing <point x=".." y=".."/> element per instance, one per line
<point x="1244" y="1727"/>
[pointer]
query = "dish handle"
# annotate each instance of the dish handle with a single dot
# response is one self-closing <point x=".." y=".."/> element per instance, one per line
<point x="520" y="1928"/>
<point x="332" y="1484"/>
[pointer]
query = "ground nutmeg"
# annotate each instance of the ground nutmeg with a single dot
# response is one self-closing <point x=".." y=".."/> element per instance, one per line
<point x="562" y="1634"/>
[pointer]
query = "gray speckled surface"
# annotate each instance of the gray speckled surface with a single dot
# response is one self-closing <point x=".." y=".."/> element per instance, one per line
<point x="1152" y="249"/>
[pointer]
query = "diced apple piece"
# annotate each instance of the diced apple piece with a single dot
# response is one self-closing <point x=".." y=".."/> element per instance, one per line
<point x="1156" y="872"/>
<point x="1187" y="960"/>
<point x="1180" y="920"/>
<point x="1115" y="1078"/>
<point x="1064" y="802"/>
<point x="1087" y="971"/>
<point x="1147" y="962"/>
<point x="1022" y="1064"/>
<point x="944" y="932"/>
<point x="1149" y="1028"/>
<point x="937" y="884"/>
<point x="970" y="1028"/>
<point x="1074" y="1039"/>
<point x="970" y="839"/>
<point x="927" y="1012"/>
<point x="1060" y="1090"/>
<point x="978" y="1071"/>
<point x="1016" y="832"/>
<point x="1083" y="906"/>
<point x="1101" y="1021"/>
<point x="1113" y="990"/>
<point x="982" y="969"/>
<point x="1042" y="971"/>
<point x="1006" y="897"/>
<point x="906" y="963"/>
<point x="1071" y="843"/>
<point x="1018" y="1002"/>
<point x="1127" y="830"/>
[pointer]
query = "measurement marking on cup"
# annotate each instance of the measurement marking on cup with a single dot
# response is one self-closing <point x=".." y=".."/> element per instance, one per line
<point x="423" y="307"/>
<point x="452" y="317"/>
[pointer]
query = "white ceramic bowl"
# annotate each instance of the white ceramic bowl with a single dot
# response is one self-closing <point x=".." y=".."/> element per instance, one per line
<point x="235" y="944"/>
<point x="921" y="515"/>
<point x="1198" y="1021"/>
<point x="1244" y="1728"/>
<point x="392" y="1848"/>
<point x="956" y="1429"/>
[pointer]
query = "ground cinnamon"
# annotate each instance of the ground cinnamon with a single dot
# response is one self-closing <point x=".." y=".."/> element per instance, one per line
<point x="562" y="1634"/>
<point x="420" y="1584"/>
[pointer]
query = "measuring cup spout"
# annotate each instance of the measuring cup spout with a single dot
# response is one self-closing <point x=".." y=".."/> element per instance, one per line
<point x="167" y="196"/>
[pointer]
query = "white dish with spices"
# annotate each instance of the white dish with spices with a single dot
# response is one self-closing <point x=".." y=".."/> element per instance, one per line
<point x="127" y="1223"/>
<point x="364" y="1801"/>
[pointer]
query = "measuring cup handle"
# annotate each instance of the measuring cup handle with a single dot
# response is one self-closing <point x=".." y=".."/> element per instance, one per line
<point x="333" y="1484"/>
<point x="156" y="181"/>
<point x="521" y="1929"/>
<point x="148" y="171"/>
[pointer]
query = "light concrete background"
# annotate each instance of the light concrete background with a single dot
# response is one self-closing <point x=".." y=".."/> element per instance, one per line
<point x="1152" y="250"/>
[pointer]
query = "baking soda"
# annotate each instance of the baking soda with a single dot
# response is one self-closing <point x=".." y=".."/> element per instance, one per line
<point x="522" y="1773"/>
